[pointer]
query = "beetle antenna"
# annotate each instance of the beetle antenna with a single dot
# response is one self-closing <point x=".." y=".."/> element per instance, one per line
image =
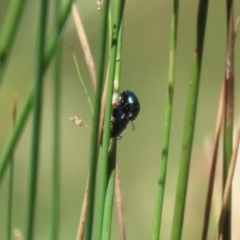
<point x="132" y="125"/>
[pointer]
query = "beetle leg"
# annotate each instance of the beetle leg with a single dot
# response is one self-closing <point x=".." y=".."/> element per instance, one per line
<point x="132" y="125"/>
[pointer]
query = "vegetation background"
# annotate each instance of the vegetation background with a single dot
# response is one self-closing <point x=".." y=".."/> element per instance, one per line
<point x="145" y="61"/>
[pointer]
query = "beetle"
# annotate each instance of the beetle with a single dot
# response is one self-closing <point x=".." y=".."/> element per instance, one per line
<point x="126" y="109"/>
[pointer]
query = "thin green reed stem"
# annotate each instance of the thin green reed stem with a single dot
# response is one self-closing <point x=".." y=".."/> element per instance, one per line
<point x="229" y="112"/>
<point x="82" y="83"/>
<point x="103" y="167"/>
<point x="167" y="126"/>
<point x="37" y="114"/>
<point x="117" y="187"/>
<point x="56" y="135"/>
<point x="189" y="124"/>
<point x="10" y="198"/>
<point x="24" y="112"/>
<point x="108" y="206"/>
<point x="96" y="118"/>
<point x="109" y="29"/>
<point x="111" y="168"/>
<point x="56" y="150"/>
<point x="118" y="60"/>
<point x="11" y="180"/>
<point x="8" y="32"/>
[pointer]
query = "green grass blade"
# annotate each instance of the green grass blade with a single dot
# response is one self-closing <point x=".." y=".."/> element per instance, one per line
<point x="109" y="29"/>
<point x="167" y="126"/>
<point x="118" y="60"/>
<point x="96" y="118"/>
<point x="119" y="5"/>
<point x="37" y="114"/>
<point x="56" y="153"/>
<point x="56" y="136"/>
<point x="8" y="32"/>
<point x="107" y="218"/>
<point x="11" y="180"/>
<point x="24" y="112"/>
<point x="82" y="82"/>
<point x="189" y="124"/>
<point x="10" y="198"/>
<point x="117" y="188"/>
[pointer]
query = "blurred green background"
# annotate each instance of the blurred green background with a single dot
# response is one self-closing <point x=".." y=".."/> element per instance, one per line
<point x="144" y="71"/>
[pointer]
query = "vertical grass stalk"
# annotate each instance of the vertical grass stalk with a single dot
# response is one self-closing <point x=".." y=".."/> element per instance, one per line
<point x="111" y="168"/>
<point x="56" y="135"/>
<point x="10" y="198"/>
<point x="109" y="29"/>
<point x="103" y="176"/>
<point x="24" y="112"/>
<point x="37" y="108"/>
<point x="11" y="180"/>
<point x="118" y="60"/>
<point x="8" y="32"/>
<point x="108" y="206"/>
<point x="119" y="203"/>
<point x="56" y="147"/>
<point x="190" y="117"/>
<point x="167" y="126"/>
<point x="96" y="118"/>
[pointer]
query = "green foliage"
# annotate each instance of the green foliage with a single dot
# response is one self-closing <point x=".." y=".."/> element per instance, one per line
<point x="99" y="218"/>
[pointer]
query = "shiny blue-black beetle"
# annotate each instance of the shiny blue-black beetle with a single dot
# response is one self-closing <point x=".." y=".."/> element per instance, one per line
<point x="126" y="109"/>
